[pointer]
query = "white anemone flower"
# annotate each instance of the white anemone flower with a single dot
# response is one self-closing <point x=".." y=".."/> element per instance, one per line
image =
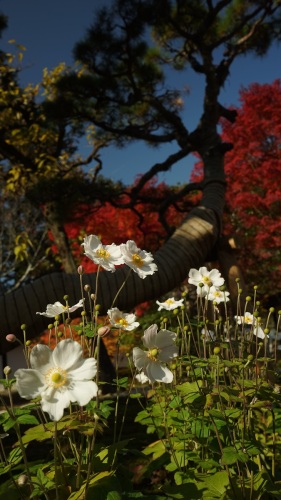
<point x="57" y="308"/>
<point x="142" y="378"/>
<point x="169" y="304"/>
<point x="217" y="296"/>
<point x="122" y="320"/>
<point x="247" y="319"/>
<point x="161" y="349"/>
<point x="60" y="377"/>
<point x="207" y="278"/>
<point x="106" y="256"/>
<point x="139" y="260"/>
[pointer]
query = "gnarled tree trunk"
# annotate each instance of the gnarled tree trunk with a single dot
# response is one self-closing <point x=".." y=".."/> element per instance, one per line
<point x="188" y="247"/>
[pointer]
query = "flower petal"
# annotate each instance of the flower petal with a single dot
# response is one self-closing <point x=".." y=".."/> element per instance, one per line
<point x="140" y="358"/>
<point x="41" y="358"/>
<point x="159" y="373"/>
<point x="165" y="338"/>
<point x="149" y="337"/>
<point x="55" y="403"/>
<point x="68" y="354"/>
<point x="83" y="392"/>
<point x="30" y="383"/>
<point x="168" y="353"/>
<point x="86" y="371"/>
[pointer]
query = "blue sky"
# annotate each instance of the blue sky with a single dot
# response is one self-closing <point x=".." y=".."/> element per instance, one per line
<point x="49" y="30"/>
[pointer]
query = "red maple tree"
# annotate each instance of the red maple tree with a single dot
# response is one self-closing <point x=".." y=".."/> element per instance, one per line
<point x="113" y="224"/>
<point x="253" y="173"/>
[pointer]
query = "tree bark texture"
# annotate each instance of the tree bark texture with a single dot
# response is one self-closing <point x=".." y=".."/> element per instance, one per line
<point x="188" y="247"/>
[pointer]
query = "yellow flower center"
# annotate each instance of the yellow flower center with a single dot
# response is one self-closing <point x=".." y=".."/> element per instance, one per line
<point x="137" y="260"/>
<point x="102" y="253"/>
<point x="152" y="354"/>
<point x="207" y="281"/>
<point x="248" y="319"/>
<point x="56" y="377"/>
<point x="122" y="322"/>
<point x="169" y="301"/>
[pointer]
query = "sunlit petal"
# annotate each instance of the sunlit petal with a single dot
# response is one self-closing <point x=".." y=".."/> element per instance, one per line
<point x="30" y="383"/>
<point x="82" y="392"/>
<point x="86" y="371"/>
<point x="55" y="405"/>
<point x="68" y="354"/>
<point x="41" y="358"/>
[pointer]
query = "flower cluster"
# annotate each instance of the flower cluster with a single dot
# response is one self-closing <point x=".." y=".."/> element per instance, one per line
<point x="60" y="377"/>
<point x="208" y="284"/>
<point x="161" y="349"/>
<point x="109" y="256"/>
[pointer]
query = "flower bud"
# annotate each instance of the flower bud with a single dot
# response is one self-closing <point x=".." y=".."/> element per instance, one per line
<point x="271" y="309"/>
<point x="65" y="297"/>
<point x="11" y="337"/>
<point x="103" y="331"/>
<point x="50" y="326"/>
<point x="23" y="326"/>
<point x="217" y="350"/>
<point x="28" y="343"/>
<point x="250" y="357"/>
<point x="22" y="479"/>
<point x="175" y="312"/>
<point x="248" y="298"/>
<point x="87" y="288"/>
<point x="60" y="334"/>
<point x="80" y="270"/>
<point x="7" y="370"/>
<point x="97" y="307"/>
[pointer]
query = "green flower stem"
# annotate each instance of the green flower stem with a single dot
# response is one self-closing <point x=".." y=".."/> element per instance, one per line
<point x="25" y="349"/>
<point x="273" y="463"/>
<point x="121" y="288"/>
<point x="117" y="387"/>
<point x="56" y="458"/>
<point x="79" y="456"/>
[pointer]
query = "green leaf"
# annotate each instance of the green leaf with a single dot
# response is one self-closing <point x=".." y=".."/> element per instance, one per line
<point x="27" y="420"/>
<point x="155" y="449"/>
<point x="233" y="413"/>
<point x="216" y="484"/>
<point x="230" y="456"/>
<point x="136" y="395"/>
<point x="15" y="456"/>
